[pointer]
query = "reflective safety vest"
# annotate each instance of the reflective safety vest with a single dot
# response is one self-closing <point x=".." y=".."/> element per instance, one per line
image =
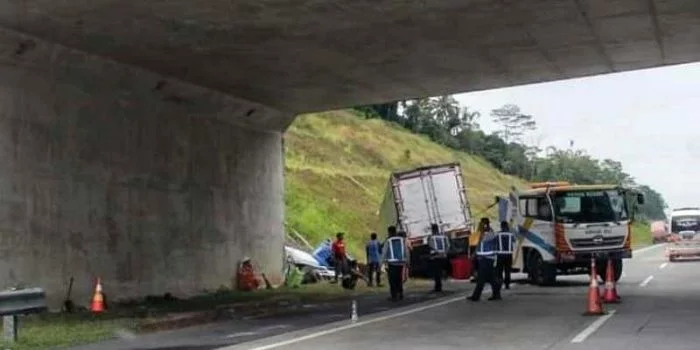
<point x="506" y="241"/>
<point x="438" y="244"/>
<point x="488" y="246"/>
<point x="395" y="250"/>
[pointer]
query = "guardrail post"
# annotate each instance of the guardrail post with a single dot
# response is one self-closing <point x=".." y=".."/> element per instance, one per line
<point x="16" y="302"/>
<point x="9" y="325"/>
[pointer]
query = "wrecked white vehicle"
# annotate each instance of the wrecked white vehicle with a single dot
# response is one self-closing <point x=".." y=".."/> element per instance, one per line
<point x="313" y="271"/>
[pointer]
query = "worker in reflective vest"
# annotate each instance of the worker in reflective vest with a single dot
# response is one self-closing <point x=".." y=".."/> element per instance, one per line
<point x="474" y="239"/>
<point x="486" y="256"/>
<point x="504" y="255"/>
<point x="439" y="246"/>
<point x="395" y="256"/>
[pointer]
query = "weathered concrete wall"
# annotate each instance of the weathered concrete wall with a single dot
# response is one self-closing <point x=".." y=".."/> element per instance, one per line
<point x="113" y="172"/>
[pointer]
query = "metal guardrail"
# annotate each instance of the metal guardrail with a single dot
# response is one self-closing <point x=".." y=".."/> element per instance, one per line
<point x="19" y="302"/>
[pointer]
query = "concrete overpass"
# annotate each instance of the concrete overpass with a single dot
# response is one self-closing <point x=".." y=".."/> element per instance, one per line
<point x="141" y="140"/>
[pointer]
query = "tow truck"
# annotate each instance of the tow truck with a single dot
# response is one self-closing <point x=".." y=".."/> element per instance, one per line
<point x="561" y="226"/>
<point x="685" y="234"/>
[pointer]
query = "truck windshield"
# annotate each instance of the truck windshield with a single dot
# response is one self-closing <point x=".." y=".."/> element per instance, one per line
<point x="685" y="223"/>
<point x="589" y="206"/>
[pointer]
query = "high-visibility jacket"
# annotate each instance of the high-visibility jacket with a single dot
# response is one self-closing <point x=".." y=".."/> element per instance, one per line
<point x="488" y="246"/>
<point x="439" y="245"/>
<point x="395" y="250"/>
<point x="506" y="243"/>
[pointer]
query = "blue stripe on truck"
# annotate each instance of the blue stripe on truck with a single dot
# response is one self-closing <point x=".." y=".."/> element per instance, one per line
<point x="537" y="240"/>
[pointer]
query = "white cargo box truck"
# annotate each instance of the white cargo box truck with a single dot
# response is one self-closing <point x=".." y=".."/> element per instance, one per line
<point x="417" y="198"/>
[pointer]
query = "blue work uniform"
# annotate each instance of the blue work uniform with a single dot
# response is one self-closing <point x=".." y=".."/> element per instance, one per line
<point x="439" y="246"/>
<point x="504" y="256"/>
<point x="395" y="255"/>
<point x="374" y="260"/>
<point x="486" y="256"/>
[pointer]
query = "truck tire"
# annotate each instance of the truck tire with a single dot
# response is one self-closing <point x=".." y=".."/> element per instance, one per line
<point x="602" y="265"/>
<point x="540" y="272"/>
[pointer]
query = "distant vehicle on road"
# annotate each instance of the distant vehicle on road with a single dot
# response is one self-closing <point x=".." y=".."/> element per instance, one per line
<point x="561" y="226"/>
<point x="659" y="231"/>
<point x="417" y="198"/>
<point x="685" y="231"/>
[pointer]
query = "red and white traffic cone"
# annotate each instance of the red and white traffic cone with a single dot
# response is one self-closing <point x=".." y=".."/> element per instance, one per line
<point x="610" y="296"/>
<point x="595" y="306"/>
<point x="98" y="299"/>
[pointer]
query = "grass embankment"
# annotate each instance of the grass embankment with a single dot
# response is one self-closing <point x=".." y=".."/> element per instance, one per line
<point x="338" y="164"/>
<point x="641" y="234"/>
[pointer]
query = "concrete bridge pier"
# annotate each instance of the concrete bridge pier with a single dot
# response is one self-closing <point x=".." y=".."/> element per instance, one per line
<point x="109" y="171"/>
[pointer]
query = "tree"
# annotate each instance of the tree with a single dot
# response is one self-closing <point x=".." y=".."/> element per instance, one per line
<point x="465" y="121"/>
<point x="513" y="122"/>
<point x="654" y="207"/>
<point x="386" y="111"/>
<point x="444" y="110"/>
<point x="444" y="121"/>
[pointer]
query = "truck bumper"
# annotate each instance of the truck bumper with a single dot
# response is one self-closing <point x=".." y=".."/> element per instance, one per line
<point x="585" y="257"/>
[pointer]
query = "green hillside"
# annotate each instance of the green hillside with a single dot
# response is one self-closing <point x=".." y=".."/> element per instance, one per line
<point x="337" y="167"/>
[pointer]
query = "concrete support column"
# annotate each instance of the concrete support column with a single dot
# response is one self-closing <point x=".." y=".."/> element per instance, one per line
<point x="153" y="185"/>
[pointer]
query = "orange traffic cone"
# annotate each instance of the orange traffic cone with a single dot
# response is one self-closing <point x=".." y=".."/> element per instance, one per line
<point x="98" y="304"/>
<point x="610" y="296"/>
<point x="595" y="307"/>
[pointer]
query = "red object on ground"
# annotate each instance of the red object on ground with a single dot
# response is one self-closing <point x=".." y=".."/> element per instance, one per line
<point x="246" y="278"/>
<point x="461" y="267"/>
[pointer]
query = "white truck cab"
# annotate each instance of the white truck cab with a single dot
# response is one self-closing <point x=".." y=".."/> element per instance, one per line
<point x="560" y="227"/>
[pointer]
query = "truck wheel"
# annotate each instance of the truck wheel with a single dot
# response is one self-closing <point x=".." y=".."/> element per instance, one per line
<point x="602" y="266"/>
<point x="540" y="272"/>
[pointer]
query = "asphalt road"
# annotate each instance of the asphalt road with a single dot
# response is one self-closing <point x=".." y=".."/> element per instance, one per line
<point x="660" y="309"/>
<point x="240" y="330"/>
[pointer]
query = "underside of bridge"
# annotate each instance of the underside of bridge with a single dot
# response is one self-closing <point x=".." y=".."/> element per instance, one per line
<point x="142" y="139"/>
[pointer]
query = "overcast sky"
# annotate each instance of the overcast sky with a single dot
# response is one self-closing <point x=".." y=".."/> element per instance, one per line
<point x="647" y="119"/>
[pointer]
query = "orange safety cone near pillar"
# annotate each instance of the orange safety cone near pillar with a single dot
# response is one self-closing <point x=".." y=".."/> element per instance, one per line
<point x="98" y="303"/>
<point x="610" y="296"/>
<point x="595" y="306"/>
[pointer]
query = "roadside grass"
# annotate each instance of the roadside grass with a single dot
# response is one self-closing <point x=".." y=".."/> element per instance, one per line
<point x="641" y="234"/>
<point x="338" y="164"/>
<point x="51" y="331"/>
<point x="55" y="331"/>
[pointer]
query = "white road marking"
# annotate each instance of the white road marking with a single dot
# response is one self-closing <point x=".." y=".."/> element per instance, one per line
<point x="125" y="334"/>
<point x="646" y="281"/>
<point x="579" y="338"/>
<point x="240" y="334"/>
<point x="278" y="326"/>
<point x="663" y="266"/>
<point x="645" y="249"/>
<point x="351" y="325"/>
